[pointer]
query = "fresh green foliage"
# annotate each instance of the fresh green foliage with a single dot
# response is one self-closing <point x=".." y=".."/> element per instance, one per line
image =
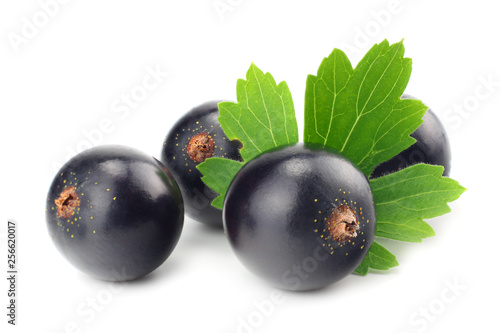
<point x="262" y="119"/>
<point x="404" y="198"/>
<point x="359" y="112"/>
<point x="218" y="174"/>
<point x="378" y="257"/>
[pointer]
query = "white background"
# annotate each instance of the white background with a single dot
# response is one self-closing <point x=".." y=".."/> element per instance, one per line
<point x="60" y="80"/>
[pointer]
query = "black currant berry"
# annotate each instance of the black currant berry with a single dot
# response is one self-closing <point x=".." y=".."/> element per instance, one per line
<point x="114" y="212"/>
<point x="194" y="138"/>
<point x="301" y="217"/>
<point x="432" y="147"/>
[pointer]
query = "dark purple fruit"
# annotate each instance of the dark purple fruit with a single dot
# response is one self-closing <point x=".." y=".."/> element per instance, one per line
<point x="432" y="147"/>
<point x="301" y="217"/>
<point x="194" y="138"/>
<point x="114" y="213"/>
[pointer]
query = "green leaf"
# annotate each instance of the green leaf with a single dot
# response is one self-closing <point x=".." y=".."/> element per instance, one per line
<point x="321" y="96"/>
<point x="262" y="119"/>
<point x="404" y="198"/>
<point x="218" y="174"/>
<point x="378" y="257"/>
<point x="359" y="112"/>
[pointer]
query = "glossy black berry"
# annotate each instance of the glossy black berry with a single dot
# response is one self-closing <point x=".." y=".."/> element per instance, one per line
<point x="301" y="217"/>
<point x="194" y="138"/>
<point x="432" y="147"/>
<point x="114" y="212"/>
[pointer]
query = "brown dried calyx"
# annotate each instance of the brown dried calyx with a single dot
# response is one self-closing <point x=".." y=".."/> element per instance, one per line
<point x="343" y="224"/>
<point x="200" y="147"/>
<point x="67" y="202"/>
